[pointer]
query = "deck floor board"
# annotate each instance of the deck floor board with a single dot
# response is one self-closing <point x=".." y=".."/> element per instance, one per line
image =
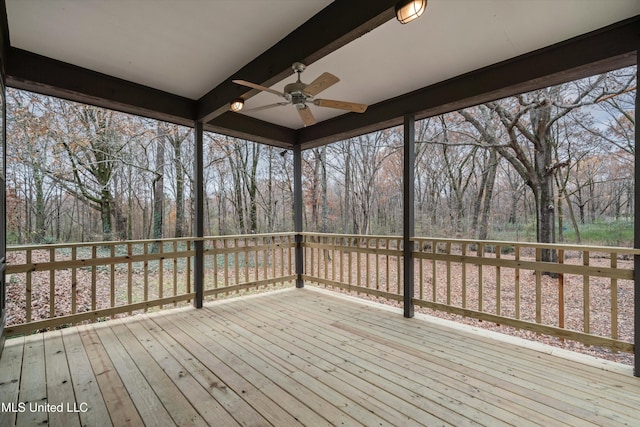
<point x="305" y="357"/>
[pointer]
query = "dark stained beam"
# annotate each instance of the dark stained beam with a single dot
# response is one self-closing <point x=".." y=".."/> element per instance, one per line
<point x="298" y="207"/>
<point x="198" y="220"/>
<point x="636" y="243"/>
<point x="4" y="33"/>
<point x="245" y="127"/>
<point x="333" y="27"/>
<point x="599" y="51"/>
<point x="37" y="73"/>
<point x="408" y="215"/>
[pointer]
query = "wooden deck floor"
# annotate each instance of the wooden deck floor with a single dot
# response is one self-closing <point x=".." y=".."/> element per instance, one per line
<point x="301" y="357"/>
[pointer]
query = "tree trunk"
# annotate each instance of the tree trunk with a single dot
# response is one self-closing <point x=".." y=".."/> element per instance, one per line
<point x="488" y="194"/>
<point x="158" y="185"/>
<point x="180" y="216"/>
<point x="544" y="197"/>
<point x="105" y="215"/>
<point x="347" y="190"/>
<point x="40" y="206"/>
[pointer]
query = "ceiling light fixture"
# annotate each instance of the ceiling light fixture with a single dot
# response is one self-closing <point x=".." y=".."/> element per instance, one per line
<point x="408" y="10"/>
<point x="237" y="105"/>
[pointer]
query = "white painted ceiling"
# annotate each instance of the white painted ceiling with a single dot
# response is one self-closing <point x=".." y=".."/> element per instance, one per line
<point x="187" y="47"/>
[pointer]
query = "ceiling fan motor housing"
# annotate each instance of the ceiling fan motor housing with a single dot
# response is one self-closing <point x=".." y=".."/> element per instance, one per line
<point x="296" y="92"/>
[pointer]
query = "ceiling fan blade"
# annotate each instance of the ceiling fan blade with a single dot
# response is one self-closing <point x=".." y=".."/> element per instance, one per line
<point x="341" y="105"/>
<point x="321" y="83"/>
<point x="264" y="107"/>
<point x="306" y="116"/>
<point x="259" y="87"/>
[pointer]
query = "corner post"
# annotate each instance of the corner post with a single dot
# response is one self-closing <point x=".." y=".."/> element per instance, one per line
<point x="636" y="242"/>
<point x="408" y="212"/>
<point x="297" y="213"/>
<point x="198" y="265"/>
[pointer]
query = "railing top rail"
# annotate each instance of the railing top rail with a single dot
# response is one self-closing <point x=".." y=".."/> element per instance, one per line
<point x="591" y="248"/>
<point x="352" y="236"/>
<point x="139" y="242"/>
<point x="244" y="236"/>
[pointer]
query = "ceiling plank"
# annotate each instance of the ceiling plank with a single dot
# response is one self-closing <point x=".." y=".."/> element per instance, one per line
<point x="333" y="27"/>
<point x="602" y="50"/>
<point x="245" y="127"/>
<point x="37" y="73"/>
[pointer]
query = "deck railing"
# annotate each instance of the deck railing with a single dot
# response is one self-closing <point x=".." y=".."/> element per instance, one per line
<point x="586" y="296"/>
<point x="54" y="285"/>
<point x="370" y="265"/>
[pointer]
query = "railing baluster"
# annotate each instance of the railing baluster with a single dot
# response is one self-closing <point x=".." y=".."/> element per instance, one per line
<point x="325" y="255"/>
<point x="236" y="261"/>
<point x="614" y="299"/>
<point x="421" y="270"/>
<point x="448" y="249"/>
<point x="387" y="263"/>
<point x="561" y="290"/>
<point x="129" y="276"/>
<point x="226" y="263"/>
<point x="538" y="288"/>
<point x="28" y="287"/>
<point x="498" y="286"/>
<point x="480" y="278"/>
<point x="282" y="243"/>
<point x="291" y="250"/>
<point x="74" y="282"/>
<point x="333" y="258"/>
<point x="434" y="272"/>
<point x="377" y="255"/>
<point x="399" y="289"/>
<point x="260" y="255"/>
<point x="52" y="285"/>
<point x="112" y="278"/>
<point x="257" y="254"/>
<point x="188" y="269"/>
<point x="214" y="257"/>
<point x="94" y="250"/>
<point x="160" y="245"/>
<point x="517" y="280"/>
<point x="586" y="300"/>
<point x="175" y="272"/>
<point x="145" y="252"/>
<point x="358" y="265"/>
<point x="245" y="258"/>
<point x="368" y="275"/>
<point x="312" y="267"/>
<point x="464" y="275"/>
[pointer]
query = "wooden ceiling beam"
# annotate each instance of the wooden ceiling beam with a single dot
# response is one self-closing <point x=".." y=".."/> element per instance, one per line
<point x="37" y="73"/>
<point x="245" y="127"/>
<point x="333" y="27"/>
<point x="596" y="52"/>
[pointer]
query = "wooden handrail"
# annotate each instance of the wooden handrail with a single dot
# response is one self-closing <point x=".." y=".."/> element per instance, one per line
<point x="115" y="278"/>
<point x="485" y="280"/>
<point x="496" y="281"/>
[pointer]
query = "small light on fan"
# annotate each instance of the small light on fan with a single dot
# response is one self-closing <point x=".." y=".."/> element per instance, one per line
<point x="237" y="105"/>
<point x="408" y="10"/>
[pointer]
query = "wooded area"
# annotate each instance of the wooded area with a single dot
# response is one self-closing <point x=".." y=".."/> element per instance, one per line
<point x="537" y="166"/>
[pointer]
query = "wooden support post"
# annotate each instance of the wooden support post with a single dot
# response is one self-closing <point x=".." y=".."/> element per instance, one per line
<point x="297" y="213"/>
<point x="636" y="243"/>
<point x="198" y="264"/>
<point x="408" y="212"/>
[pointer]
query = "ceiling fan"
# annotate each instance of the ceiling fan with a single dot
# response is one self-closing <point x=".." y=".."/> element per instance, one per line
<point x="300" y="94"/>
